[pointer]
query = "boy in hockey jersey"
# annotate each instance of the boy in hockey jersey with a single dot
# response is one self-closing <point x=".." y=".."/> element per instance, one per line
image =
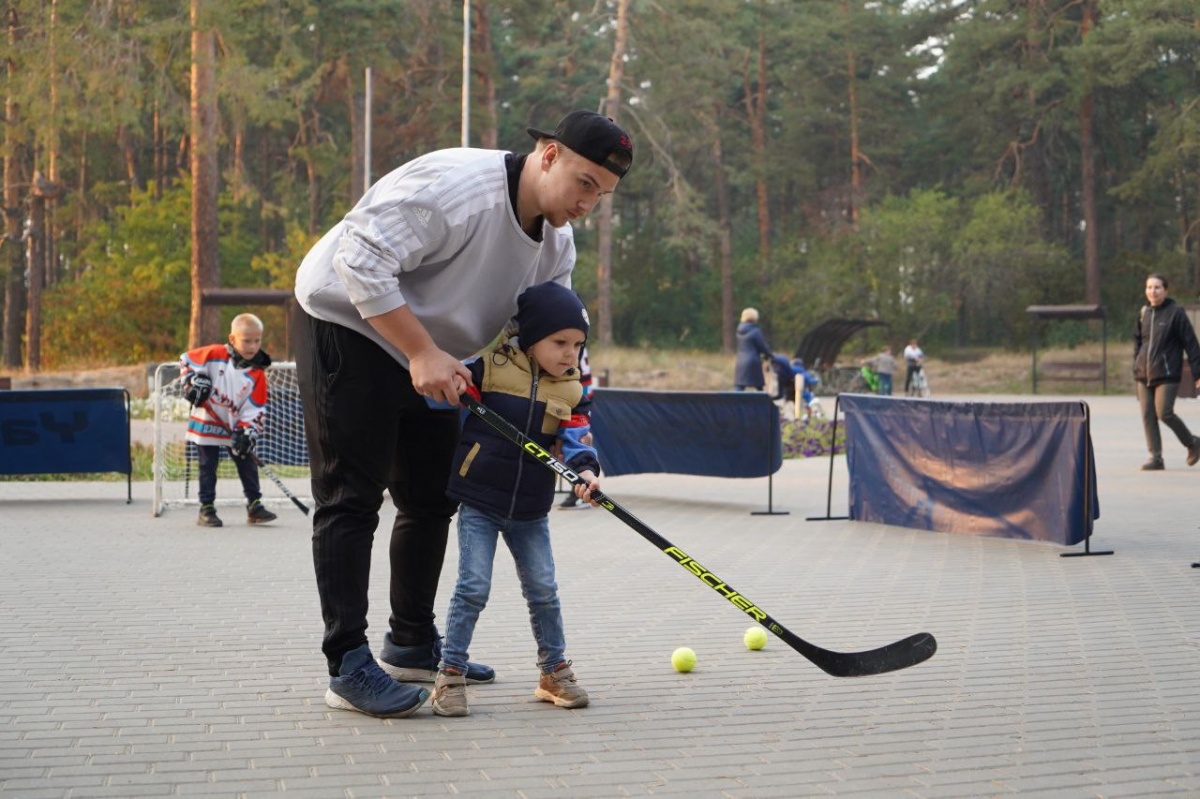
<point x="227" y="388"/>
<point x="532" y="380"/>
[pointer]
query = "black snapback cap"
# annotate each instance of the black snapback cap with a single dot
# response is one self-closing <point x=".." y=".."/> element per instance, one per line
<point x="594" y="136"/>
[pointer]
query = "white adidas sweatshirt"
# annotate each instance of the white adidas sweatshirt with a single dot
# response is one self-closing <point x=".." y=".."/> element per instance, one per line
<point x="437" y="234"/>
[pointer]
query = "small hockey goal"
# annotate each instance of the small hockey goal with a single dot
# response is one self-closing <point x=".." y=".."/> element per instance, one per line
<point x="281" y="447"/>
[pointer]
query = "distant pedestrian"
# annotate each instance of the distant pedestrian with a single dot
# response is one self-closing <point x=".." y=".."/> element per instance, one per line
<point x="1161" y="336"/>
<point x="914" y="360"/>
<point x="884" y="365"/>
<point x="752" y="350"/>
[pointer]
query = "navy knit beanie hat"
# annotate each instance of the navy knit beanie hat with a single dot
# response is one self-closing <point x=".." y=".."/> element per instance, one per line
<point x="548" y="308"/>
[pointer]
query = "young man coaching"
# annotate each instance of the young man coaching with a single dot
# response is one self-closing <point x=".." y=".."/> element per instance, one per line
<point x="423" y="272"/>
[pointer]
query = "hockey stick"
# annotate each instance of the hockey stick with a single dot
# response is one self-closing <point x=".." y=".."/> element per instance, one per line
<point x="899" y="655"/>
<point x="275" y="479"/>
<point x="187" y="461"/>
<point x="187" y="469"/>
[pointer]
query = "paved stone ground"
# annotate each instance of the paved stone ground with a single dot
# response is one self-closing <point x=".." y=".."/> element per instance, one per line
<point x="148" y="657"/>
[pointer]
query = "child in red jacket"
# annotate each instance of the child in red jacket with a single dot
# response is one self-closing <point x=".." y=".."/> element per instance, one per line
<point x="226" y="386"/>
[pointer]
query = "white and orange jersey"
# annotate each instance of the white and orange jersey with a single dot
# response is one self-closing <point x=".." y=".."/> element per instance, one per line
<point x="239" y="395"/>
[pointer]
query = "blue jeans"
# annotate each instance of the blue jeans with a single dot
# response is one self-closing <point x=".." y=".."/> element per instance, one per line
<point x="529" y="542"/>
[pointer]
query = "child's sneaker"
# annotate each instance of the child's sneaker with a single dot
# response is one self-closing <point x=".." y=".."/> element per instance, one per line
<point x="361" y="685"/>
<point x="450" y="694"/>
<point x="420" y="663"/>
<point x="560" y="687"/>
<point x="208" y="517"/>
<point x="257" y="513"/>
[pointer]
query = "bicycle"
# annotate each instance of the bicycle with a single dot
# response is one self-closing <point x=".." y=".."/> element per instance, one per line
<point x="919" y="385"/>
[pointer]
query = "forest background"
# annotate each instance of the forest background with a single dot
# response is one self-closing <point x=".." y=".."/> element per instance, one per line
<point x="936" y="165"/>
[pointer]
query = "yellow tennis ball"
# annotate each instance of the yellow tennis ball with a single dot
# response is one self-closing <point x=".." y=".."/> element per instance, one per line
<point x="683" y="659"/>
<point x="755" y="638"/>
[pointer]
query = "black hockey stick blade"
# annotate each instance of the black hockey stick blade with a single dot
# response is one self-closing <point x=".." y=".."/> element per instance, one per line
<point x="893" y="657"/>
<point x="275" y="479"/>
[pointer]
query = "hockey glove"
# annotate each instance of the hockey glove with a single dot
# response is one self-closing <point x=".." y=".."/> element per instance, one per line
<point x="199" y="388"/>
<point x="243" y="442"/>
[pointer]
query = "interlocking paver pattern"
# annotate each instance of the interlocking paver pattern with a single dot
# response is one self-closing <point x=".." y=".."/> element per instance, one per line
<point x="148" y="657"/>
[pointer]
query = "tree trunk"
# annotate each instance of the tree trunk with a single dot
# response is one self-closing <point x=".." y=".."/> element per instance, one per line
<point x="239" y="162"/>
<point x="35" y="251"/>
<point x="1191" y="253"/>
<point x="308" y="140"/>
<point x="1091" y="231"/>
<point x="855" y="154"/>
<point x="160" y="152"/>
<point x="724" y="234"/>
<point x="484" y="62"/>
<point x="612" y="104"/>
<point x="14" y="287"/>
<point x="84" y="167"/>
<point x="755" y="101"/>
<point x="51" y="244"/>
<point x="14" y="299"/>
<point x="42" y="196"/>
<point x="128" y="147"/>
<point x="206" y="271"/>
<point x="356" y="111"/>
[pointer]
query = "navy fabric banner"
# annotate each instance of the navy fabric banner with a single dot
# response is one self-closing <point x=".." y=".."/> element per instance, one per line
<point x="998" y="469"/>
<point x="716" y="434"/>
<point x="62" y="431"/>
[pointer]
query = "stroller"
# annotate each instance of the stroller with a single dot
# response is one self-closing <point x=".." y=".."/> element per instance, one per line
<point x="790" y="375"/>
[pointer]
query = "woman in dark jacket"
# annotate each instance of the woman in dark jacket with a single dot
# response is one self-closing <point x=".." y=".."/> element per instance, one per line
<point x="1162" y="335"/>
<point x="752" y="350"/>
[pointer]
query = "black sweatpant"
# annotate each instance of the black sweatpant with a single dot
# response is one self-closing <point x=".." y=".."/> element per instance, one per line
<point x="208" y="458"/>
<point x="367" y="430"/>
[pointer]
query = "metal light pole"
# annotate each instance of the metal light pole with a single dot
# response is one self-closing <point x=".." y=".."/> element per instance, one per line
<point x="367" y="131"/>
<point x="466" y="75"/>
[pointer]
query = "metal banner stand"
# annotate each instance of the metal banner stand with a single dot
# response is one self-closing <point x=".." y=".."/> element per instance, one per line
<point x="1087" y="489"/>
<point x="772" y="432"/>
<point x="829" y="486"/>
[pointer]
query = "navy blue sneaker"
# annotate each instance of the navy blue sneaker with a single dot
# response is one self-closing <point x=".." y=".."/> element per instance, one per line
<point x="361" y="685"/>
<point x="420" y="663"/>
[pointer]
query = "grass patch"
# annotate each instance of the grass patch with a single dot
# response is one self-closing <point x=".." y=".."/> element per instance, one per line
<point x="966" y="371"/>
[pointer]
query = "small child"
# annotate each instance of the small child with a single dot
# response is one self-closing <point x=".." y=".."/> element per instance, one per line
<point x="227" y="388"/>
<point x="532" y="380"/>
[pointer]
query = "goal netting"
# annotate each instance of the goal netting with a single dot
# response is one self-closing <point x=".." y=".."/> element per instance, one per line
<point x="281" y="448"/>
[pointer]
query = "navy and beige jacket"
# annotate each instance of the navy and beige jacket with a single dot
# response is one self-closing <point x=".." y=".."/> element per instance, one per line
<point x="493" y="474"/>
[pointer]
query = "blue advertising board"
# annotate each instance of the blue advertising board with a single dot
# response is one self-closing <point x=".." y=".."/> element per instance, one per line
<point x="65" y="431"/>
